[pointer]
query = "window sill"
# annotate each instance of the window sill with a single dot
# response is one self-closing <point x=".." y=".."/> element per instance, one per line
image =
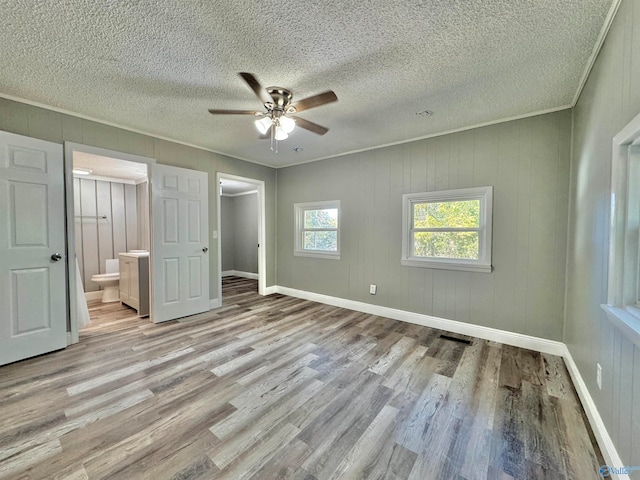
<point x="627" y="319"/>
<point x="465" y="267"/>
<point x="326" y="256"/>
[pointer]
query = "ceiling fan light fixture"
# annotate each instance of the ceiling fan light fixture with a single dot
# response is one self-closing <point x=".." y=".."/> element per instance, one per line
<point x="280" y="134"/>
<point x="287" y="124"/>
<point x="263" y="125"/>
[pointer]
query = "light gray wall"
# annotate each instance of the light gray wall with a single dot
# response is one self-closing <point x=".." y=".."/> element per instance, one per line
<point x="57" y="127"/>
<point x="142" y="202"/>
<point x="246" y="232"/>
<point x="239" y="233"/>
<point x="227" y="233"/>
<point x="527" y="162"/>
<point x="610" y="99"/>
<point x="100" y="239"/>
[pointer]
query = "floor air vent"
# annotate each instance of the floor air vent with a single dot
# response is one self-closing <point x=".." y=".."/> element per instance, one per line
<point x="454" y="339"/>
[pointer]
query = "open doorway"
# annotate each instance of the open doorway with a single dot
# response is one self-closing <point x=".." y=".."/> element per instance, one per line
<point x="241" y="246"/>
<point x="107" y="224"/>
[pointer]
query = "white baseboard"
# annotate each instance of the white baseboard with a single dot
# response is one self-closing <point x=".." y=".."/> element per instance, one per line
<point x="487" y="333"/>
<point x="605" y="442"/>
<point x="93" y="295"/>
<point x="214" y="303"/>
<point x="270" y="290"/>
<point x="239" y="273"/>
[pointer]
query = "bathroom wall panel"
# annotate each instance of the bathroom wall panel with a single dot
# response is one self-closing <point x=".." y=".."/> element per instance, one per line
<point x="131" y="216"/>
<point x="88" y="209"/>
<point x="118" y="213"/>
<point x="142" y="200"/>
<point x="105" y="226"/>
<point x="98" y="239"/>
<point x="78" y="224"/>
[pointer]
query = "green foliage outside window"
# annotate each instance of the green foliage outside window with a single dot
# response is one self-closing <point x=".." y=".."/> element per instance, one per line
<point x="314" y="237"/>
<point x="462" y="243"/>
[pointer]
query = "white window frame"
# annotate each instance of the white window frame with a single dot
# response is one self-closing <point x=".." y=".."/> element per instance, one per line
<point x="623" y="299"/>
<point x="483" y="263"/>
<point x="299" y="209"/>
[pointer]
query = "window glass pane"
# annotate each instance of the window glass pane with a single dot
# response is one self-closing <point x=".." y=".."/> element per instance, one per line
<point x="463" y="214"/>
<point x="324" y="241"/>
<point x="324" y="218"/>
<point x="459" y="245"/>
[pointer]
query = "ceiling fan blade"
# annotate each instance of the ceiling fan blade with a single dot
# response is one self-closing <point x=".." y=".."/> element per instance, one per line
<point x="315" y="101"/>
<point x="233" y="112"/>
<point x="312" y="127"/>
<point x="258" y="89"/>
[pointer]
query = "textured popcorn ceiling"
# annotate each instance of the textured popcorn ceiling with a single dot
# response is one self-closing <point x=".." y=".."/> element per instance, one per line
<point x="157" y="65"/>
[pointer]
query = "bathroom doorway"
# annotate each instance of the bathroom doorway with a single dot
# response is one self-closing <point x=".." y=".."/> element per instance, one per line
<point x="108" y="203"/>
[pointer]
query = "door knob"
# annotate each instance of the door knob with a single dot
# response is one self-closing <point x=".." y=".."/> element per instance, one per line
<point x="56" y="257"/>
<point x="205" y="249"/>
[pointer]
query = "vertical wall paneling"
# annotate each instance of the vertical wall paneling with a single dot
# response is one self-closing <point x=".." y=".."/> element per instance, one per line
<point x="626" y="394"/>
<point x="239" y="233"/>
<point x="505" y="211"/>
<point x="527" y="162"/>
<point x="88" y="209"/>
<point x="609" y="100"/>
<point x="635" y="405"/>
<point x="119" y="216"/>
<point x="227" y="235"/>
<point x="246" y="233"/>
<point x="98" y="239"/>
<point x="131" y="217"/>
<point x="78" y="227"/>
<point x="142" y="203"/>
<point x="105" y="226"/>
<point x="41" y="123"/>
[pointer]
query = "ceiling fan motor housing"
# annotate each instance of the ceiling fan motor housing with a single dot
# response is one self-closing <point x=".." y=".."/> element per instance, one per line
<point x="281" y="97"/>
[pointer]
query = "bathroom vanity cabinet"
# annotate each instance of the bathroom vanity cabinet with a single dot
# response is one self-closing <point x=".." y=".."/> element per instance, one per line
<point x="134" y="281"/>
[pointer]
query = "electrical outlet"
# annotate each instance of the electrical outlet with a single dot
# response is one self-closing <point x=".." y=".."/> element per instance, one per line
<point x="599" y="375"/>
<point x="373" y="289"/>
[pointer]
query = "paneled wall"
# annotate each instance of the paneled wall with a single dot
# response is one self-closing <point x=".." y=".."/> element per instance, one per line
<point x="610" y="99"/>
<point x="227" y="235"/>
<point x="100" y="239"/>
<point x="57" y="127"/>
<point x="527" y="162"/>
<point x="239" y="233"/>
<point x="142" y="202"/>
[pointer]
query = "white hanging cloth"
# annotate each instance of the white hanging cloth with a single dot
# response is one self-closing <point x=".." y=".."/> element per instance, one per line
<point x="81" y="307"/>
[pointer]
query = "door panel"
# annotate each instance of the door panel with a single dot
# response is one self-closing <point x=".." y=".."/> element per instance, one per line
<point x="179" y="248"/>
<point x="32" y="283"/>
<point x="195" y="274"/>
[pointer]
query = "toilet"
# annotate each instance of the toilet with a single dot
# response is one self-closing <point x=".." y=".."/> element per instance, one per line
<point x="109" y="281"/>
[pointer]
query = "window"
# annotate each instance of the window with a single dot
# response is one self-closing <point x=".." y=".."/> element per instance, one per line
<point x="449" y="229"/>
<point x="317" y="229"/>
<point x="623" y="300"/>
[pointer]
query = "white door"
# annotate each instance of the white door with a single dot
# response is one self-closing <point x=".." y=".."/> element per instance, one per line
<point x="180" y="247"/>
<point x="33" y="306"/>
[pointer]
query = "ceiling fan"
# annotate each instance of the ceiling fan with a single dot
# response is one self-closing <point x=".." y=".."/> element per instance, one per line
<point x="279" y="119"/>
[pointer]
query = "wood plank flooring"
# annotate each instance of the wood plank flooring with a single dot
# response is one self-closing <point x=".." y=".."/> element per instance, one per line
<point x="281" y="388"/>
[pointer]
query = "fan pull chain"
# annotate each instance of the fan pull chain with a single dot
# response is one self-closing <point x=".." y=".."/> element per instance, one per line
<point x="273" y="139"/>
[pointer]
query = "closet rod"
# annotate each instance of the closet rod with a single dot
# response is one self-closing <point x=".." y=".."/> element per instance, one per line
<point x="104" y="217"/>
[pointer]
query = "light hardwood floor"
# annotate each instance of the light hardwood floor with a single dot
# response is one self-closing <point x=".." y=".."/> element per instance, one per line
<point x="277" y="387"/>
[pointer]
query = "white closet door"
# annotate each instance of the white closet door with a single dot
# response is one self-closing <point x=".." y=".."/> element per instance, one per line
<point x="32" y="245"/>
<point x="180" y="248"/>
